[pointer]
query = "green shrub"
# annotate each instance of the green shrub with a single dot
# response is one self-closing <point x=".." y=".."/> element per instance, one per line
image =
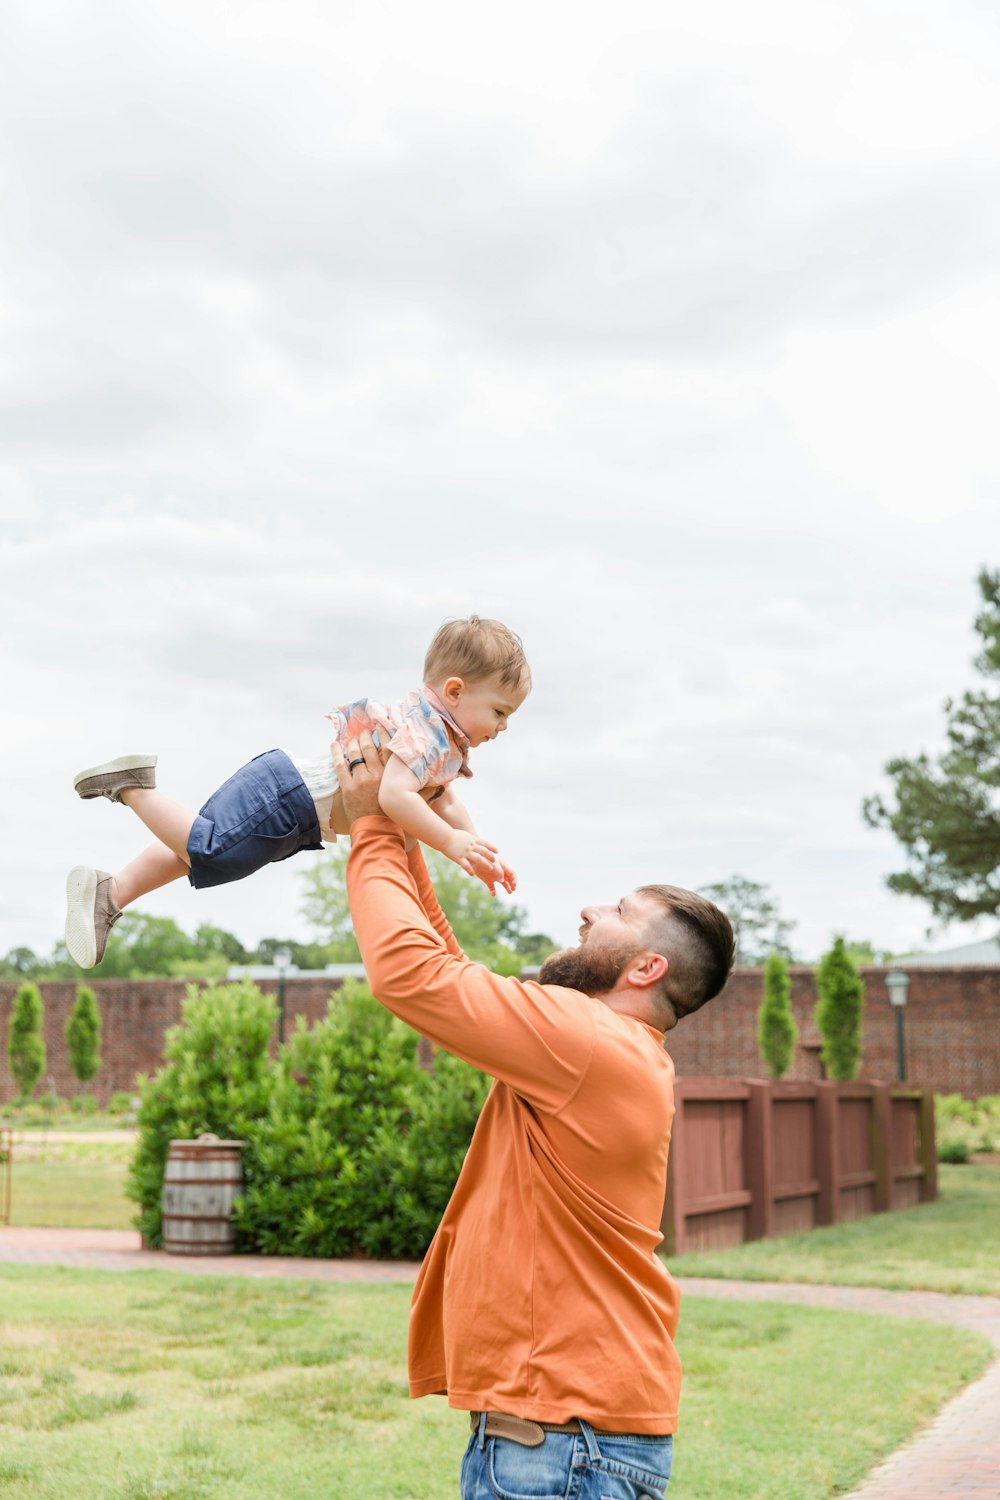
<point x="119" y="1104"/>
<point x="25" y="1047"/>
<point x="777" y="1032"/>
<point x="839" y="1011"/>
<point x="963" y="1127"/>
<point x="360" y="1148"/>
<point x="350" y="1147"/>
<point x="217" y="1078"/>
<point x="83" y="1104"/>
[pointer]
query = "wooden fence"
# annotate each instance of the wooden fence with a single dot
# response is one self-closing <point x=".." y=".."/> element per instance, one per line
<point x="750" y="1160"/>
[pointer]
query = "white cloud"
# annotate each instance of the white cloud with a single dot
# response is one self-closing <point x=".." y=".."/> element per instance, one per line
<point x="668" y="336"/>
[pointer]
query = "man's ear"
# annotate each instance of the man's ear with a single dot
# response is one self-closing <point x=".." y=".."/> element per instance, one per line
<point x="452" y="689"/>
<point x="646" y="969"/>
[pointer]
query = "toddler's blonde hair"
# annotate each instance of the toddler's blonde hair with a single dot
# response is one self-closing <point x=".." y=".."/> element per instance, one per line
<point x="475" y="649"/>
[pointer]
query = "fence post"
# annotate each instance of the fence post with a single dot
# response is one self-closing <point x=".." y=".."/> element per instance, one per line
<point x="928" y="1148"/>
<point x="882" y="1162"/>
<point x="827" y="1154"/>
<point x="758" y="1146"/>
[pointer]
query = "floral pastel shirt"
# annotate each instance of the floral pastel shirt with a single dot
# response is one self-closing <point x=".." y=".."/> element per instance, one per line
<point x="418" y="729"/>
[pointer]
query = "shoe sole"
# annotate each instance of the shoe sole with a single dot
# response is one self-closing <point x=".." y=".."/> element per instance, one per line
<point x="123" y="763"/>
<point x="81" y="894"/>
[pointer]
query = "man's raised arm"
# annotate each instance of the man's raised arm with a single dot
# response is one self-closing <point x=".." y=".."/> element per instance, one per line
<point x="536" y="1039"/>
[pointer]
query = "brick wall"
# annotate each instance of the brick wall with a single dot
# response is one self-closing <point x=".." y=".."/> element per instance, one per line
<point x="135" y="1015"/>
<point x="952" y="1022"/>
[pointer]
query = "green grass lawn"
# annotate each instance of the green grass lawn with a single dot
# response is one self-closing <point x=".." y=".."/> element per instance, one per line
<point x="78" y="1184"/>
<point x="952" y="1245"/>
<point x="157" y="1386"/>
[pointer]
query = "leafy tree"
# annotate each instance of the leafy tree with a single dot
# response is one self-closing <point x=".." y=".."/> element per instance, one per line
<point x="25" y="1047"/>
<point x="839" y="1012"/>
<point x="217" y="940"/>
<point x="489" y="930"/>
<point x="142" y="946"/>
<point x="862" y="951"/>
<point x="325" y="903"/>
<point x="777" y="1032"/>
<point x="305" y="955"/>
<point x="946" y="810"/>
<point x="20" y="963"/>
<point x="83" y="1035"/>
<point x="757" y="926"/>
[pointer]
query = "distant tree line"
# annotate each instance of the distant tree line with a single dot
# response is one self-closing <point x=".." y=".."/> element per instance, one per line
<point x="142" y="946"/>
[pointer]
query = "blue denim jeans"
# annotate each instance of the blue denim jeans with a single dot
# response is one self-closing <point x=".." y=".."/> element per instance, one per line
<point x="567" y="1466"/>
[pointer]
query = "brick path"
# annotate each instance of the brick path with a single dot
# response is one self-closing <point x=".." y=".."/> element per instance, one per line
<point x="121" y="1250"/>
<point x="956" y="1457"/>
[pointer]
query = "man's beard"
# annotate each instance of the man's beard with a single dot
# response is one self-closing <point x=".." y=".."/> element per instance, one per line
<point x="592" y="970"/>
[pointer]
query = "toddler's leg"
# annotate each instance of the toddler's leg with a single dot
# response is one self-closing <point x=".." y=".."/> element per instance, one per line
<point x="95" y="899"/>
<point x="166" y="820"/>
<point x="155" y="866"/>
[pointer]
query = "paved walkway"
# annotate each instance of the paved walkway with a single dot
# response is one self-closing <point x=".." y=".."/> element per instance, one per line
<point x="957" y="1457"/>
<point x="121" y="1250"/>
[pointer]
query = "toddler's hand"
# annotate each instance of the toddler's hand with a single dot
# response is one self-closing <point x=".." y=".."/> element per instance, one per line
<point x="475" y="856"/>
<point x="479" y="858"/>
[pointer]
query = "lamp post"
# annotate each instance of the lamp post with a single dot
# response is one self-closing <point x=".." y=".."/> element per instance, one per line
<point x="282" y="962"/>
<point x="897" y="983"/>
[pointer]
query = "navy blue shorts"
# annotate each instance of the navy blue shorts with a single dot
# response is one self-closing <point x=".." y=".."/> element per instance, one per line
<point x="261" y="814"/>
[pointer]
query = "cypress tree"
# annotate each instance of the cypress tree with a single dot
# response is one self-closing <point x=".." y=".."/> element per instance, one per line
<point x="25" y="1047"/>
<point x="777" y="1032"/>
<point x="839" y="1012"/>
<point x="83" y="1035"/>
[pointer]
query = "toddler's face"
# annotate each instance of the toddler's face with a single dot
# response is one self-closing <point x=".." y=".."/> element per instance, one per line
<point x="482" y="709"/>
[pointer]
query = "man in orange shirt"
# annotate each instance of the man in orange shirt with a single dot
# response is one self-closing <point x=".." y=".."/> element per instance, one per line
<point x="541" y="1307"/>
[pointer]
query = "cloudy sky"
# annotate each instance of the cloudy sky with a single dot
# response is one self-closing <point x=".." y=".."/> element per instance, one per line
<point x="669" y="334"/>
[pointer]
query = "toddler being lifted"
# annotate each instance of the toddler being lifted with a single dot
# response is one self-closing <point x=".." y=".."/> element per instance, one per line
<point x="475" y="677"/>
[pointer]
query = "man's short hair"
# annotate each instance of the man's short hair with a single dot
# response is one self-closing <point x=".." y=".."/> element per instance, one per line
<point x="697" y="940"/>
<point x="476" y="649"/>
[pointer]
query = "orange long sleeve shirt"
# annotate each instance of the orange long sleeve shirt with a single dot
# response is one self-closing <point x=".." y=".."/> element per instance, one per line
<point x="541" y="1294"/>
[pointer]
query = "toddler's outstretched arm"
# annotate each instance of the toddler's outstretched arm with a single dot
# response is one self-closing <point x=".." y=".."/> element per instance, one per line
<point x="455" y="813"/>
<point x="451" y="833"/>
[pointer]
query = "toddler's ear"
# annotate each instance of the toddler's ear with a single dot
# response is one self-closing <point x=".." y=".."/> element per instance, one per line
<point x="452" y="689"/>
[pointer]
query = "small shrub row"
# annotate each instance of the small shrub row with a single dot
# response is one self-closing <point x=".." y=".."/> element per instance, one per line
<point x="964" y="1127"/>
<point x="50" y="1109"/>
<point x="350" y="1147"/>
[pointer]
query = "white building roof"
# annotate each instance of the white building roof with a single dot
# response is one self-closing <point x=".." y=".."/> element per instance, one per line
<point x="987" y="951"/>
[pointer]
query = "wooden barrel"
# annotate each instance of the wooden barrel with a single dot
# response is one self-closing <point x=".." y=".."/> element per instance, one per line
<point x="201" y="1180"/>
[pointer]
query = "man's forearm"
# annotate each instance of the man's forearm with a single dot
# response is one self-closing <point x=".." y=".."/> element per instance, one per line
<point x="536" y="1040"/>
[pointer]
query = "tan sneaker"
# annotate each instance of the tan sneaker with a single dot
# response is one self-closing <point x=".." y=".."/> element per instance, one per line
<point x="116" y="776"/>
<point x="90" y="914"/>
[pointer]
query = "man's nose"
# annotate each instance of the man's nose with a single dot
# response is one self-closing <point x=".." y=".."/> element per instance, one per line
<point x="591" y="913"/>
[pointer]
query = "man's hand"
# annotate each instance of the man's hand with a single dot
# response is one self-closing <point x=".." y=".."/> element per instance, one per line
<point x="359" y="772"/>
